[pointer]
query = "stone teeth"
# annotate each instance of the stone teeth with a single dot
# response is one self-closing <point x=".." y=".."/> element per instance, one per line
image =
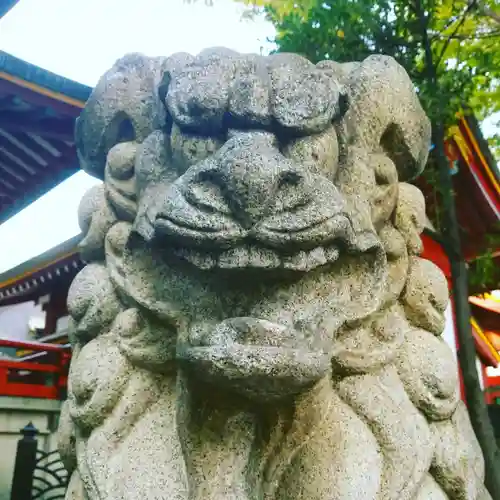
<point x="332" y="254"/>
<point x="262" y="258"/>
<point x="297" y="262"/>
<point x="316" y="257"/>
<point x="305" y="261"/>
<point x="234" y="258"/>
<point x="202" y="261"/>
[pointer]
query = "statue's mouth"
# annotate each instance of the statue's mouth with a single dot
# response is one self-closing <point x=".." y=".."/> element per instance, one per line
<point x="263" y="246"/>
<point x="255" y="257"/>
<point x="298" y="229"/>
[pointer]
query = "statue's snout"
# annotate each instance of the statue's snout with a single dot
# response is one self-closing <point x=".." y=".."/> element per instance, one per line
<point x="249" y="180"/>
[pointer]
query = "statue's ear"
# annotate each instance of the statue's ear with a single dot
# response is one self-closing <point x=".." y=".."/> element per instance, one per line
<point x="123" y="106"/>
<point x="385" y="115"/>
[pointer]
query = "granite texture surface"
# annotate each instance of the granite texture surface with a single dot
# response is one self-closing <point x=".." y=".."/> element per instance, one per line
<point x="255" y="322"/>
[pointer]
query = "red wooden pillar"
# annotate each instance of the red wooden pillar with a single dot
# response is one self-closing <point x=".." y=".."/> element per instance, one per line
<point x="434" y="252"/>
<point x="54" y="309"/>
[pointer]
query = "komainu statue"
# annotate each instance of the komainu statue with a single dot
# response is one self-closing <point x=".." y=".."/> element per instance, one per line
<point x="255" y="322"/>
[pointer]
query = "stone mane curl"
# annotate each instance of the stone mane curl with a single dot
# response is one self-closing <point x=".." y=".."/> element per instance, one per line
<point x="255" y="322"/>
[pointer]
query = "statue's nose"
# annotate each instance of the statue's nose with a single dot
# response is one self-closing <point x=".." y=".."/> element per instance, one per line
<point x="251" y="189"/>
<point x="257" y="180"/>
<point x="248" y="178"/>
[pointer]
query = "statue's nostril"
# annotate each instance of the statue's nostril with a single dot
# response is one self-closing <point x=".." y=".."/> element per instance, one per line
<point x="206" y="192"/>
<point x="209" y="176"/>
<point x="289" y="178"/>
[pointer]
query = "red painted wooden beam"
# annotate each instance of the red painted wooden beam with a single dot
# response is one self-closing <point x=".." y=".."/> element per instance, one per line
<point x="32" y="346"/>
<point x="42" y="380"/>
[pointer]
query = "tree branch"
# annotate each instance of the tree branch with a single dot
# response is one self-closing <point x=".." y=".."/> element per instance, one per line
<point x="469" y="7"/>
<point x="424" y="27"/>
<point x="488" y="12"/>
<point x="491" y="34"/>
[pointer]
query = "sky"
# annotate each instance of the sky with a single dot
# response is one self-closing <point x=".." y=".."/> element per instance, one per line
<point x="81" y="39"/>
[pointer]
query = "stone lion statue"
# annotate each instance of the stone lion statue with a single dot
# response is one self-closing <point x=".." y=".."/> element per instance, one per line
<point x="255" y="322"/>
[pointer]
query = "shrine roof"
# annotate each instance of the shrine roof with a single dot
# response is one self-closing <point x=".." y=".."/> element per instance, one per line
<point x="5" y="6"/>
<point x="484" y="343"/>
<point x="37" y="118"/>
<point x="477" y="190"/>
<point x="41" y="274"/>
<point x="487" y="303"/>
<point x="482" y="144"/>
<point x="476" y="184"/>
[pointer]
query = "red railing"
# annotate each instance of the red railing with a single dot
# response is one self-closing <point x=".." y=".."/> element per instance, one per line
<point x="41" y="374"/>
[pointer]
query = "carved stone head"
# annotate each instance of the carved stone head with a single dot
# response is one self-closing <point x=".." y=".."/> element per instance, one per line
<point x="260" y="185"/>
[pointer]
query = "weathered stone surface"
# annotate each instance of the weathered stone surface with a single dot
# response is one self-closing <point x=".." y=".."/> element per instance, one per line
<point x="250" y="93"/>
<point x="306" y="100"/>
<point x="254" y="322"/>
<point x="66" y="439"/>
<point x="428" y="371"/>
<point x="198" y="94"/>
<point x="409" y="216"/>
<point x="95" y="218"/>
<point x="124" y="106"/>
<point x="330" y="433"/>
<point x="386" y="191"/>
<point x="319" y="153"/>
<point x="119" y="176"/>
<point x="189" y="149"/>
<point x="92" y="302"/>
<point x="430" y="490"/>
<point x="384" y="113"/>
<point x="425" y="296"/>
<point x="76" y="488"/>
<point x="458" y="464"/>
<point x="406" y="443"/>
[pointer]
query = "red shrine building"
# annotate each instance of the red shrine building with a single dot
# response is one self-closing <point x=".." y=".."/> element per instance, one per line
<point x="476" y="182"/>
<point x="37" y="114"/>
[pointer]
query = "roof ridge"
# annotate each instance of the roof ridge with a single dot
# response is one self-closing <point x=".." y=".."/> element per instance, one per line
<point x="31" y="73"/>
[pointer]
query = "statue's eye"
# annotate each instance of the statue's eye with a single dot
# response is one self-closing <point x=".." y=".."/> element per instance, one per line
<point x="318" y="153"/>
<point x="206" y="193"/>
<point x="189" y="149"/>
